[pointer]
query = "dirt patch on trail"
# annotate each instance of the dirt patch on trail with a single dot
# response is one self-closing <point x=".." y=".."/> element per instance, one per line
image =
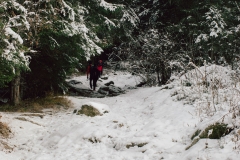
<point x="4" y="130"/>
<point x="5" y="133"/>
<point x="6" y="146"/>
<point x="24" y="119"/>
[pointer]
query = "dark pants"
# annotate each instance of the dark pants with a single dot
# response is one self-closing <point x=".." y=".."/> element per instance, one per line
<point x="99" y="73"/>
<point x="93" y="83"/>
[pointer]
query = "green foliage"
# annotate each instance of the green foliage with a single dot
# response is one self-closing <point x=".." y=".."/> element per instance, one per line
<point x="12" y="51"/>
<point x="1" y="10"/>
<point x="58" y="36"/>
<point x="215" y="131"/>
<point x="218" y="130"/>
<point x="59" y="55"/>
<point x="195" y="134"/>
<point x="6" y="72"/>
<point x="207" y="30"/>
<point x="64" y="34"/>
<point x="108" y="23"/>
<point x="193" y="143"/>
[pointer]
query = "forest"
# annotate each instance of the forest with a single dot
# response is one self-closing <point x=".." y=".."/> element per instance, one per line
<point x="44" y="41"/>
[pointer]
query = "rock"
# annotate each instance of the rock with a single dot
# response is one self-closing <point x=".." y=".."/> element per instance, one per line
<point x="214" y="131"/>
<point x="89" y="111"/>
<point x="101" y="91"/>
<point x="111" y="90"/>
<point x="109" y="83"/>
<point x="127" y="87"/>
<point x="73" y="91"/>
<point x="114" y="91"/>
<point x="141" y="84"/>
<point x="93" y="109"/>
<point x="74" y="82"/>
<point x="75" y="111"/>
<point x="104" y="77"/>
<point x="76" y="88"/>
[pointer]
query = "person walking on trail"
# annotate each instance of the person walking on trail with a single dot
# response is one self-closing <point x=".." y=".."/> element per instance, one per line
<point x="93" y="76"/>
<point x="88" y="69"/>
<point x="100" y="68"/>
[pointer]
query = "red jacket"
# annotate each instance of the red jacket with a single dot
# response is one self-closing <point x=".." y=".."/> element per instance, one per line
<point x="88" y="70"/>
<point x="99" y="66"/>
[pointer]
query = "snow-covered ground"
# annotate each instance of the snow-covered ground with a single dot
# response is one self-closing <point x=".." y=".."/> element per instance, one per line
<point x="143" y="124"/>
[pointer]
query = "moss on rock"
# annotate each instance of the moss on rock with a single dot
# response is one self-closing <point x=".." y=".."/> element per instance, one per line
<point x="196" y="134"/>
<point x="89" y="111"/>
<point x="218" y="130"/>
<point x="193" y="143"/>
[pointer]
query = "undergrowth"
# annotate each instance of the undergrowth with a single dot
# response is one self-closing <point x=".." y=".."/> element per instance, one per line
<point x="214" y="91"/>
<point x="37" y="105"/>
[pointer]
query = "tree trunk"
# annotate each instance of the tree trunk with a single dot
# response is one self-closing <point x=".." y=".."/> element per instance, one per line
<point x="15" y="89"/>
<point x="165" y="73"/>
<point x="158" y="75"/>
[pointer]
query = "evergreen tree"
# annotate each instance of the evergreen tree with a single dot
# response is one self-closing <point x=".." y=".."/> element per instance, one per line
<point x="13" y="59"/>
<point x="59" y="34"/>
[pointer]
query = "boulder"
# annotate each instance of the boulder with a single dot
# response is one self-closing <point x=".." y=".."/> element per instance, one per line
<point x="109" y="83"/>
<point x="105" y="77"/>
<point x="141" y="84"/>
<point x="93" y="109"/>
<point x="128" y="87"/>
<point x="89" y="111"/>
<point x="74" y="82"/>
<point x="111" y="90"/>
<point x="102" y="91"/>
<point x="76" y="88"/>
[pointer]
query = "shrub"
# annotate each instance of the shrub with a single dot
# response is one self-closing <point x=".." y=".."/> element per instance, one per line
<point x="218" y="130"/>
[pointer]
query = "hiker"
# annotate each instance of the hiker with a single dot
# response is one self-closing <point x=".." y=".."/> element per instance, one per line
<point x="93" y="72"/>
<point x="100" y="68"/>
<point x="88" y="68"/>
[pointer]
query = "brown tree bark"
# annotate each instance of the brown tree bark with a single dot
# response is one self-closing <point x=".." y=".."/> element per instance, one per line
<point x="15" y="89"/>
<point x="165" y="73"/>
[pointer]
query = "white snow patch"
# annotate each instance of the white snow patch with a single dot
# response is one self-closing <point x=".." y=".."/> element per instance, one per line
<point x="145" y="123"/>
<point x="14" y="35"/>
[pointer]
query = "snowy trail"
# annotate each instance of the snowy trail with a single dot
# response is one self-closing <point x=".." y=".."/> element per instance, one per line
<point x="132" y="121"/>
<point x="143" y="124"/>
<point x="133" y="129"/>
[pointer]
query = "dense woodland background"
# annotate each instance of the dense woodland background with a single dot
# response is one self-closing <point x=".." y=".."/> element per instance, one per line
<point x="44" y="41"/>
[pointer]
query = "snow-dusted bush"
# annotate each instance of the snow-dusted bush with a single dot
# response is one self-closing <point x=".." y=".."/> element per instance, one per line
<point x="13" y="25"/>
<point x="150" y="56"/>
<point x="214" y="92"/>
<point x="209" y="86"/>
